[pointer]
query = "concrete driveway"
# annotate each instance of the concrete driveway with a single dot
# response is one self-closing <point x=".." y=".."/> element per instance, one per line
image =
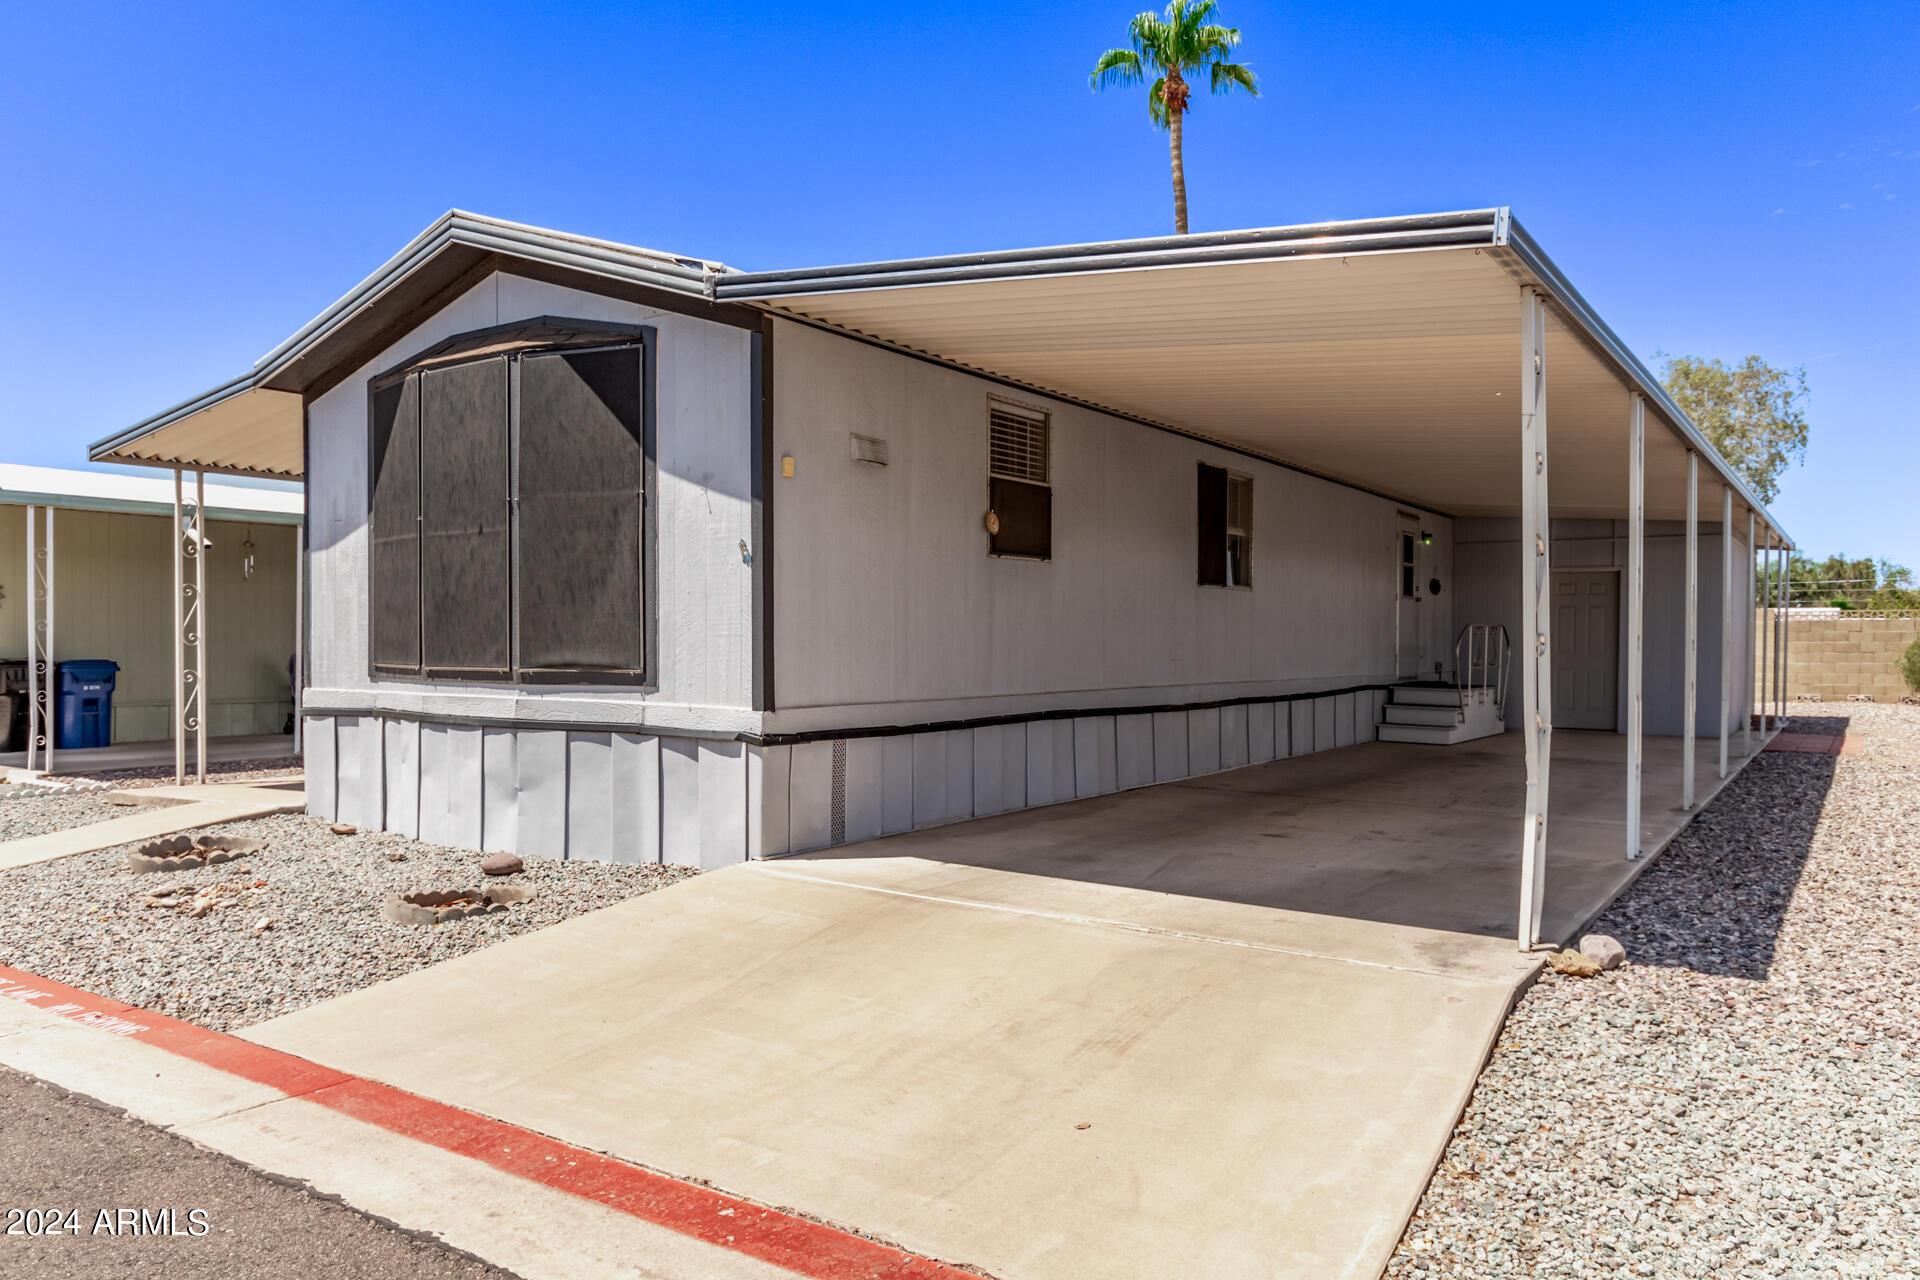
<point x="1219" y="1028"/>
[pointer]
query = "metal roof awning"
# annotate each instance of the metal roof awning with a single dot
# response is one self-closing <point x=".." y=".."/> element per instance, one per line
<point x="1383" y="353"/>
<point x="238" y="429"/>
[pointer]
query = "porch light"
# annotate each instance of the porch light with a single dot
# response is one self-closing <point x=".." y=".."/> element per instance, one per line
<point x="1426" y="539"/>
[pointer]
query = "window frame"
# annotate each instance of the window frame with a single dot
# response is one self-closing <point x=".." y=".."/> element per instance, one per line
<point x="537" y="336"/>
<point x="1021" y="408"/>
<point x="1228" y="533"/>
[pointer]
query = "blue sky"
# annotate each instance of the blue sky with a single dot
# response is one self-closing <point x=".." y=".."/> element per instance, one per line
<point x="184" y="187"/>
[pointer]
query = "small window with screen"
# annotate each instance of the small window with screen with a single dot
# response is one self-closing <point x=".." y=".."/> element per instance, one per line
<point x="1406" y="565"/>
<point x="1019" y="480"/>
<point x="1226" y="528"/>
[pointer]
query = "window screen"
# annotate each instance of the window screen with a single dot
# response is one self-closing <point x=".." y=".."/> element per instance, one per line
<point x="466" y="575"/>
<point x="581" y="474"/>
<point x="394" y="525"/>
<point x="1213" y="526"/>
<point x="1020" y="480"/>
<point x="1239" y="530"/>
<point x="1406" y="565"/>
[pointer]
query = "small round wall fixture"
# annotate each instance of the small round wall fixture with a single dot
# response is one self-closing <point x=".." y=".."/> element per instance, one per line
<point x="993" y="521"/>
<point x="1433" y="586"/>
<point x="444" y="905"/>
<point x="184" y="853"/>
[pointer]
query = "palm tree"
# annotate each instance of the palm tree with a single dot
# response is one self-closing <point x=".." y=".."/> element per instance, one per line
<point x="1175" y="46"/>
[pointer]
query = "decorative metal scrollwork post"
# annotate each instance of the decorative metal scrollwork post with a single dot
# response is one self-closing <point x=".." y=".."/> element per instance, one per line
<point x="189" y="625"/>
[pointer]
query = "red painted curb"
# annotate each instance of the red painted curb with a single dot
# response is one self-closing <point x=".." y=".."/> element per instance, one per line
<point x="782" y="1239"/>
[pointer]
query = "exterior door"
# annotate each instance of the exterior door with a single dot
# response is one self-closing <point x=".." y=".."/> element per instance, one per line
<point x="1409" y="659"/>
<point x="1586" y="650"/>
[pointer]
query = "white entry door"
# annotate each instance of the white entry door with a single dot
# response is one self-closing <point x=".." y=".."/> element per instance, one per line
<point x="1410" y="659"/>
<point x="1586" y="649"/>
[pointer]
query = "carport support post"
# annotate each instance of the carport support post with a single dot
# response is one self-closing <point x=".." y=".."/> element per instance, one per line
<point x="1536" y="667"/>
<point x="1636" y="608"/>
<point x="1726" y="620"/>
<point x="1783" y="602"/>
<point x="1689" y="713"/>
<point x="1746" y="699"/>
<point x="1766" y="635"/>
<point x="179" y="642"/>
<point x="200" y="611"/>
<point x="43" y="686"/>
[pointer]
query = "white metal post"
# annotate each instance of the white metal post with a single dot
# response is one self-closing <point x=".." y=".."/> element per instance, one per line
<point x="1726" y="621"/>
<point x="1689" y="713"/>
<point x="1766" y="636"/>
<point x="179" y="641"/>
<point x="52" y="666"/>
<point x="1786" y="634"/>
<point x="1780" y="640"/>
<point x="33" y="640"/>
<point x="1536" y="665"/>
<point x="299" y="623"/>
<point x="1751" y="645"/>
<point x="200" y="602"/>
<point x="1636" y="608"/>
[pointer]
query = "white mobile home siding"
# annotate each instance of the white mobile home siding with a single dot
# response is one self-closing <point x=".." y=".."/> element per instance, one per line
<point x="890" y="611"/>
<point x="493" y="765"/>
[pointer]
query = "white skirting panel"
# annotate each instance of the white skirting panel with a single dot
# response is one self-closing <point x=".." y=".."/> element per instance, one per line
<point x="629" y="797"/>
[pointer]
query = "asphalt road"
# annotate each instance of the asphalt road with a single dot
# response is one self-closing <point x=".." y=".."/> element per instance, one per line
<point x="63" y="1153"/>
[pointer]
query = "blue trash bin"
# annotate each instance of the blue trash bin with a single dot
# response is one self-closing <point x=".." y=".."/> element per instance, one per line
<point x="83" y="711"/>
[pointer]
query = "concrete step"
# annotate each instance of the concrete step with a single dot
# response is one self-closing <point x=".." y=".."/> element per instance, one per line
<point x="1442" y="716"/>
<point x="1419" y="695"/>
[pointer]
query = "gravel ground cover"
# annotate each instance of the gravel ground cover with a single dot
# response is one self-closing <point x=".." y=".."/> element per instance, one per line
<point x="161" y="775"/>
<point x="37" y="814"/>
<point x="297" y="923"/>
<point x="1743" y="1099"/>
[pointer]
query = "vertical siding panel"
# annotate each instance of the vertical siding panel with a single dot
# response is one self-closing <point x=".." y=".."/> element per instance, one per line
<point x="1260" y="733"/>
<point x="322" y="769"/>
<point x="1063" y="760"/>
<point x="811" y="801"/>
<point x="1203" y="741"/>
<point x="590" y="796"/>
<point x="723" y="803"/>
<point x="896" y="784"/>
<point x="959" y="774"/>
<point x="1233" y="736"/>
<point x="1299" y="726"/>
<point x="499" y="790"/>
<point x="434" y="783"/>
<point x="1013" y="766"/>
<point x="1344" y="719"/>
<point x="680" y="801"/>
<point x="1169" y="745"/>
<point x="866" y="764"/>
<point x="463" y="787"/>
<point x="1086" y="756"/>
<point x="1039" y="747"/>
<point x="360" y="747"/>
<point x="1105" y="734"/>
<point x="929" y="779"/>
<point x="402" y="762"/>
<point x="1133" y="751"/>
<point x="989" y="770"/>
<point x="768" y="773"/>
<point x="541" y="757"/>
<point x="634" y="769"/>
<point x="1322" y="724"/>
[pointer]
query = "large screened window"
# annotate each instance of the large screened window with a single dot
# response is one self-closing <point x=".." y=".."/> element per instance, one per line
<point x="508" y="508"/>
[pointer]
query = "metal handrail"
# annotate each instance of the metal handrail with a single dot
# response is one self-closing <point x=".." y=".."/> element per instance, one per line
<point x="1487" y="654"/>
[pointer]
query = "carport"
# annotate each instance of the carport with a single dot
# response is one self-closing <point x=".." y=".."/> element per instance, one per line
<point x="1419" y="358"/>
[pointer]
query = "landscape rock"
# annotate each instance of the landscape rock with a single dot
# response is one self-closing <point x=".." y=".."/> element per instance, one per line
<point x="503" y="864"/>
<point x="1603" y="950"/>
<point x="343" y="829"/>
<point x="1573" y="964"/>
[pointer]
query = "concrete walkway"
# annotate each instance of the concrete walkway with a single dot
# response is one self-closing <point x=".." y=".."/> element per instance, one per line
<point x="160" y="811"/>
<point x="1219" y="1028"/>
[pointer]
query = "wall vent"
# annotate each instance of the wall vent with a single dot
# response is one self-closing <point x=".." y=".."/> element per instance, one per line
<point x="870" y="449"/>
<point x="837" y="806"/>
<point x="1016" y="443"/>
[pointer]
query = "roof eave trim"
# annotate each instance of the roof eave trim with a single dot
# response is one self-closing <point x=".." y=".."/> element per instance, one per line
<point x="167" y="417"/>
<point x="1581" y="312"/>
<point x="1470" y="228"/>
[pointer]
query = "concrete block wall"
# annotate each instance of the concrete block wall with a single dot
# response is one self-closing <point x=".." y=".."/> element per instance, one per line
<point x="636" y="797"/>
<point x="1836" y="657"/>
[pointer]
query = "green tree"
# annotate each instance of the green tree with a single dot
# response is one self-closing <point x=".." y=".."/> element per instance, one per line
<point x="1183" y="43"/>
<point x="1753" y="413"/>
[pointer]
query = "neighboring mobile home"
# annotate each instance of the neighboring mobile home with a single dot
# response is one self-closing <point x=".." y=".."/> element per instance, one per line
<point x="85" y="572"/>
<point x="616" y="554"/>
